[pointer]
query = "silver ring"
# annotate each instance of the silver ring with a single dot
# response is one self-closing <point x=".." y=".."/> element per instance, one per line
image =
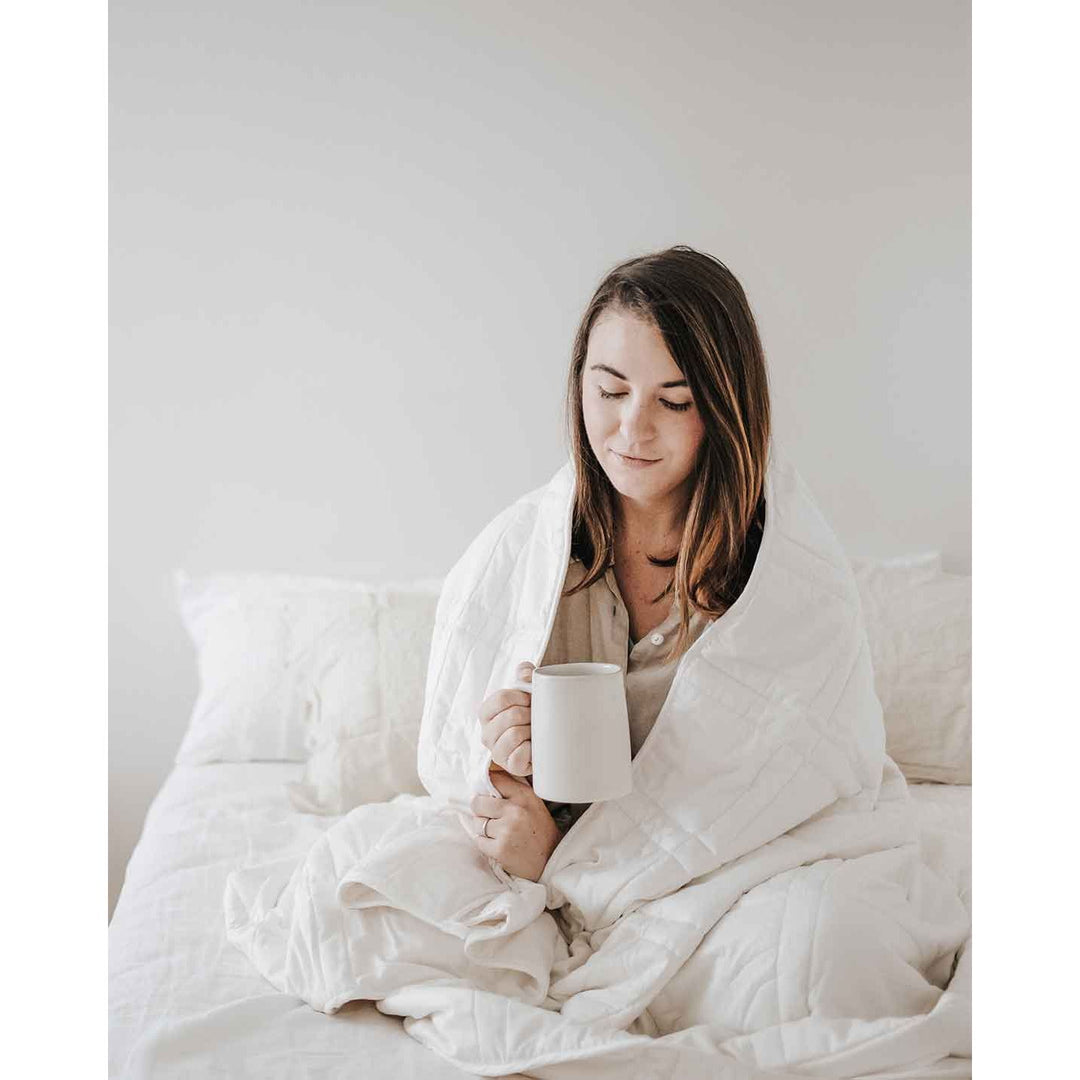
<point x="483" y="831"/>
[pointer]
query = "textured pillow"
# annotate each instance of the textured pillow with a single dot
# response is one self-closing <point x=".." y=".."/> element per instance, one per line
<point x="282" y="661"/>
<point x="918" y="622"/>
<point x="332" y="673"/>
<point x="366" y="751"/>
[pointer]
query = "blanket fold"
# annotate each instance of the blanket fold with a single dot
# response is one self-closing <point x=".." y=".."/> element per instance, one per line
<point x="759" y="904"/>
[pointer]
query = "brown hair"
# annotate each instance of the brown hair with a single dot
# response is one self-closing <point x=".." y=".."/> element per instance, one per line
<point x="702" y="312"/>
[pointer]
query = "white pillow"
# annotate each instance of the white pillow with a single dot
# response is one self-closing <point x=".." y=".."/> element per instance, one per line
<point x="283" y="661"/>
<point x="332" y="673"/>
<point x="366" y="742"/>
<point x="918" y="622"/>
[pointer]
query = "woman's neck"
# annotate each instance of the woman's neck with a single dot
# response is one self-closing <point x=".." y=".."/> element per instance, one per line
<point x="655" y="530"/>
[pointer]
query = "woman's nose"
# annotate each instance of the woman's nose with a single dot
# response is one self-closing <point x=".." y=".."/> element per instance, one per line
<point x="636" y="423"/>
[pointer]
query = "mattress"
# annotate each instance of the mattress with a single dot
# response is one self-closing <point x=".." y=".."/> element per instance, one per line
<point x="184" y="1002"/>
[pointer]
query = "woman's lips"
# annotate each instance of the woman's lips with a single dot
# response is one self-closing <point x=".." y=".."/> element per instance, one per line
<point x="634" y="463"/>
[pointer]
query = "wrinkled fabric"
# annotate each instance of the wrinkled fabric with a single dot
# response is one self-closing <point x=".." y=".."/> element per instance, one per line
<point x="760" y="902"/>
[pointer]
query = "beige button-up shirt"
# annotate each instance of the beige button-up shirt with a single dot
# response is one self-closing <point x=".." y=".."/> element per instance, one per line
<point x="594" y="624"/>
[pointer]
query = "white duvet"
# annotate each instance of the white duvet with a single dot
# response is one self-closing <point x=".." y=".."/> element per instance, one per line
<point x="760" y="903"/>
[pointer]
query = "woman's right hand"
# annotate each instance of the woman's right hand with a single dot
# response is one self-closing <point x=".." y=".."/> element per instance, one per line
<point x="506" y="725"/>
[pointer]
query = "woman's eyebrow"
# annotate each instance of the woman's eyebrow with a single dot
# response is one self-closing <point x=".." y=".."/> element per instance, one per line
<point x="620" y="375"/>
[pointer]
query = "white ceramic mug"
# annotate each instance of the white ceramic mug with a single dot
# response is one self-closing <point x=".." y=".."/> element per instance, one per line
<point x="580" y="732"/>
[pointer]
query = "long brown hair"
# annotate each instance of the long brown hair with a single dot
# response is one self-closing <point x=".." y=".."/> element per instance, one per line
<point x="702" y="312"/>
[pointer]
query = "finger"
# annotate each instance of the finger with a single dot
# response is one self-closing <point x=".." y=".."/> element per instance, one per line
<point x="509" y="743"/>
<point x="487" y="847"/>
<point x="519" y="761"/>
<point x="489" y="806"/>
<point x="501" y="700"/>
<point x="510" y="787"/>
<point x="481" y="823"/>
<point x="524" y="670"/>
<point x="488" y="843"/>
<point x="495" y="728"/>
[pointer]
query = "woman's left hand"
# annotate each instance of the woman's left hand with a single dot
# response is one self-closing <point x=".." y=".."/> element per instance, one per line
<point x="521" y="833"/>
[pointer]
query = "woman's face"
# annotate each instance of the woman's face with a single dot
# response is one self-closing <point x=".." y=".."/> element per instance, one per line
<point x="637" y="406"/>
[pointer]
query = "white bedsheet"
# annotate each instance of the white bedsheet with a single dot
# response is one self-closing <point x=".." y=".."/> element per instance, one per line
<point x="185" y="1002"/>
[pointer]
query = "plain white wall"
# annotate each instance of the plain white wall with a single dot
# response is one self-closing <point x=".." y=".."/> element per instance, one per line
<point x="350" y="244"/>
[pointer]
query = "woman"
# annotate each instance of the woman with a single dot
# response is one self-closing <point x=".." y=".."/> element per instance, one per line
<point x="669" y="422"/>
<point x="760" y="897"/>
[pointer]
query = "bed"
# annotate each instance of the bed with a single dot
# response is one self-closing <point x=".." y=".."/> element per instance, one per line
<point x="282" y="741"/>
<point x="183" y="1001"/>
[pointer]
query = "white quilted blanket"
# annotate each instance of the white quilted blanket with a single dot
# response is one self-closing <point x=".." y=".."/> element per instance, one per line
<point x="760" y="904"/>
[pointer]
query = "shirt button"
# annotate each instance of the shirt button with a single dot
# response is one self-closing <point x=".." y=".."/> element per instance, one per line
<point x="657" y="639"/>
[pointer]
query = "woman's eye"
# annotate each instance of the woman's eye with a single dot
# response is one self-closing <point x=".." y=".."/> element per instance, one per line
<point x="667" y="404"/>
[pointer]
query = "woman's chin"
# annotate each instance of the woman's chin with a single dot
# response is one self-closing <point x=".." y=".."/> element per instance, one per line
<point x="633" y="486"/>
